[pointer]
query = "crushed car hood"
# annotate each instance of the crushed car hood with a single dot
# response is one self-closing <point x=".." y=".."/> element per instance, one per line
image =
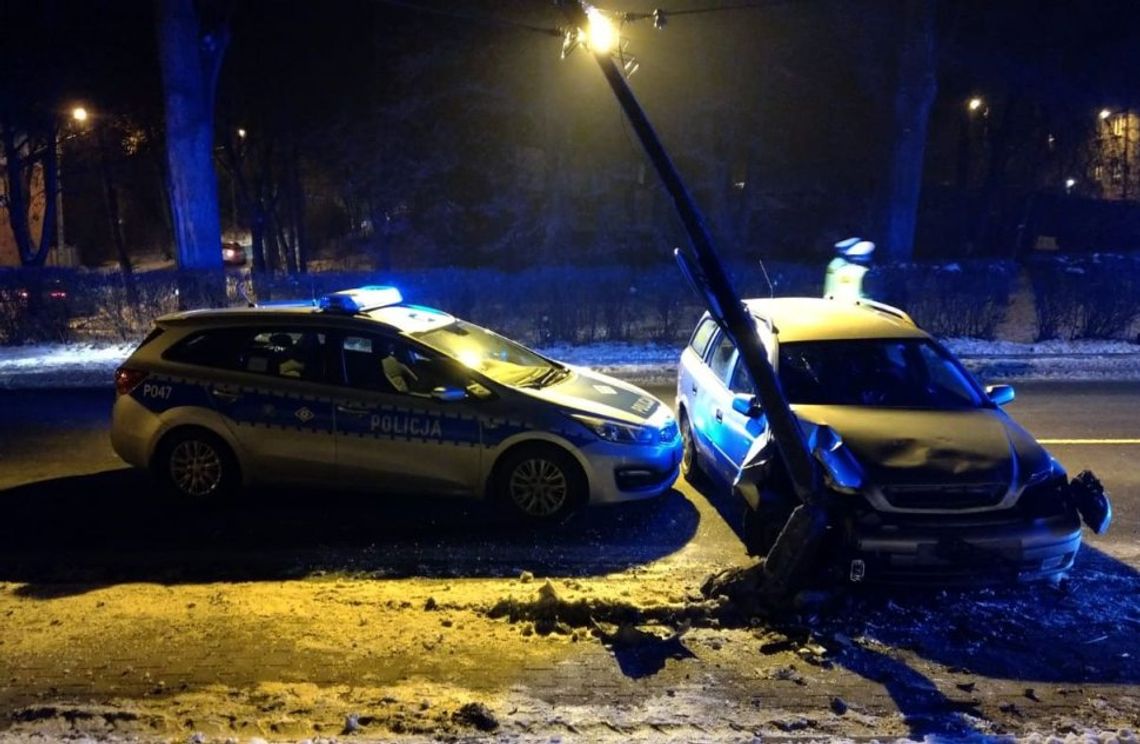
<point x="914" y="446"/>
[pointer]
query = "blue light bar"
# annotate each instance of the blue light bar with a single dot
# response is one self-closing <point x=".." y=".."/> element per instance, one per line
<point x="361" y="299"/>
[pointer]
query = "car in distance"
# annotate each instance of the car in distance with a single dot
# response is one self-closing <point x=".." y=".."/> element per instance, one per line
<point x="935" y="479"/>
<point x="365" y="391"/>
<point x="233" y="254"/>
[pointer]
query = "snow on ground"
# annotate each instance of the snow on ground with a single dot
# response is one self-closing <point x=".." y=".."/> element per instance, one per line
<point x="93" y="365"/>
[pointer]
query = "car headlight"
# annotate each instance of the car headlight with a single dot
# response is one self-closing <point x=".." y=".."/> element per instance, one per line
<point x="615" y="431"/>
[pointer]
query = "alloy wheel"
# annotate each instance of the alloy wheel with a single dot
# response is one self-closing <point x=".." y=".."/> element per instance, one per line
<point x="538" y="487"/>
<point x="196" y="467"/>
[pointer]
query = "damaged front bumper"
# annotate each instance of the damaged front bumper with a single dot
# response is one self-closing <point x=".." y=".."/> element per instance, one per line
<point x="1002" y="546"/>
<point x="1000" y="551"/>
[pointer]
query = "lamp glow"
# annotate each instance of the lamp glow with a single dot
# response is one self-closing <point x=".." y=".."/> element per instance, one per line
<point x="1104" y="114"/>
<point x="470" y="358"/>
<point x="79" y="114"/>
<point x="974" y="104"/>
<point x="601" y="36"/>
<point x="1070" y="183"/>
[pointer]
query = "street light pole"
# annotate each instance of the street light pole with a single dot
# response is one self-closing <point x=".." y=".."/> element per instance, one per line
<point x="798" y="541"/>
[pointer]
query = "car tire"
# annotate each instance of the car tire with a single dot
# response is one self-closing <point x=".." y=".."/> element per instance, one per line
<point x="541" y="484"/>
<point x="761" y="528"/>
<point x="692" y="469"/>
<point x="196" y="465"/>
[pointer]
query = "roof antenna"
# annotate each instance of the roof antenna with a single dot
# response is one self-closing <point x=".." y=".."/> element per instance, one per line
<point x="771" y="289"/>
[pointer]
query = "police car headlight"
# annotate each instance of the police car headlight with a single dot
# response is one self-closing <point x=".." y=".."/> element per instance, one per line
<point x="614" y="431"/>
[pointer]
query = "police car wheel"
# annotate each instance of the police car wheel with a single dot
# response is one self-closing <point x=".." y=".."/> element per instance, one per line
<point x="196" y="464"/>
<point x="541" y="484"/>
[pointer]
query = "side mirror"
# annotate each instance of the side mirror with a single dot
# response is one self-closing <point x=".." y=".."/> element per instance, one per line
<point x="1000" y="394"/>
<point x="449" y="394"/>
<point x="747" y="405"/>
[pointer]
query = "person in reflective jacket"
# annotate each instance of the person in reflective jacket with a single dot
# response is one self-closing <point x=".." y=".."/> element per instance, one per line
<point x="844" y="280"/>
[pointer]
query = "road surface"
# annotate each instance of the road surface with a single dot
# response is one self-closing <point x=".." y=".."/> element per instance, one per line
<point x="284" y="616"/>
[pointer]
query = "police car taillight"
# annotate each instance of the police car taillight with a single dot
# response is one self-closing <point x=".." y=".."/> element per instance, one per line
<point x="127" y="379"/>
<point x="361" y="299"/>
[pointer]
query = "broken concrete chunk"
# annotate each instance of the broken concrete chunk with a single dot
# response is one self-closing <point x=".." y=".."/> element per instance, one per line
<point x="477" y="716"/>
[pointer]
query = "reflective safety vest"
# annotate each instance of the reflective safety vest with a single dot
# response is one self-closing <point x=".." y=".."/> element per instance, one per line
<point x="844" y="280"/>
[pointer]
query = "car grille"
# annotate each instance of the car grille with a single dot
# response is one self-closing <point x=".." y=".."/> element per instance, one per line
<point x="945" y="497"/>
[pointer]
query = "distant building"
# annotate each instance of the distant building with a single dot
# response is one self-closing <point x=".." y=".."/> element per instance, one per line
<point x="1114" y="156"/>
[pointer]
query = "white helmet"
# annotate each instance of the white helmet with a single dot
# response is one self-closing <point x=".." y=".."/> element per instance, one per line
<point x="855" y="249"/>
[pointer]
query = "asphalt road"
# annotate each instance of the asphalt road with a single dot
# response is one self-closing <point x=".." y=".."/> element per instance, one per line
<point x="57" y="436"/>
<point x="276" y="615"/>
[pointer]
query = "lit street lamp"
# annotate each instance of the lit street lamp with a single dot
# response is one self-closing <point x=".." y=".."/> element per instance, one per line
<point x="1104" y="114"/>
<point x="1069" y="184"/>
<point x="975" y="103"/>
<point x="79" y="114"/>
<point x="601" y="36"/>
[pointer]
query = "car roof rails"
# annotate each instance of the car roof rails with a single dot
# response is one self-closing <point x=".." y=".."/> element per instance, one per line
<point x="886" y="309"/>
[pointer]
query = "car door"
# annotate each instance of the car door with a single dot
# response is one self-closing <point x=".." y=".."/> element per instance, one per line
<point x="276" y="400"/>
<point x="712" y="399"/>
<point x="392" y="432"/>
<point x="739" y="430"/>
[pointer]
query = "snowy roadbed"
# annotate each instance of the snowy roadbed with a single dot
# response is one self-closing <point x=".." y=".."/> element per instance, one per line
<point x="93" y="365"/>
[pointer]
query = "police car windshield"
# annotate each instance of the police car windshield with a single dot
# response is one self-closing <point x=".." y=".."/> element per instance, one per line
<point x="499" y="358"/>
<point x="888" y="373"/>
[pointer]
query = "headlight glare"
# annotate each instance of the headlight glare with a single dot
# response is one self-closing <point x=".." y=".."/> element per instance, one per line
<point x="615" y="431"/>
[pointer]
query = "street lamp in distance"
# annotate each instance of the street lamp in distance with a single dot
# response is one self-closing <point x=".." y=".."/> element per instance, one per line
<point x="1069" y="184"/>
<point x="975" y="103"/>
<point x="1104" y="114"/>
<point x="79" y="114"/>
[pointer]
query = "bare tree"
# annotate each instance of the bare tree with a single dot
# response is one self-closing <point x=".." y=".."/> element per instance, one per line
<point x="31" y="160"/>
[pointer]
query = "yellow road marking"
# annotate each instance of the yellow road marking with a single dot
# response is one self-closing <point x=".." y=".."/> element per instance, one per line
<point x="1089" y="441"/>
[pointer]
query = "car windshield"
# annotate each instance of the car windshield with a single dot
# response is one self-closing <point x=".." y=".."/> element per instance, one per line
<point x="501" y="359"/>
<point x="888" y="373"/>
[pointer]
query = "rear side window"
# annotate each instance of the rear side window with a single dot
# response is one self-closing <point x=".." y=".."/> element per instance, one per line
<point x="221" y="348"/>
<point x="280" y="352"/>
<point x="699" y="343"/>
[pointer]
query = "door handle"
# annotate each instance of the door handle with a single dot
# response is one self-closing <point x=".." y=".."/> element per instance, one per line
<point x="719" y="415"/>
<point x="693" y="387"/>
<point x="352" y="410"/>
<point x="227" y="395"/>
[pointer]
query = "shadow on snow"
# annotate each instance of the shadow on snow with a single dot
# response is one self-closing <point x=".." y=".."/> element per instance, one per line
<point x="73" y="534"/>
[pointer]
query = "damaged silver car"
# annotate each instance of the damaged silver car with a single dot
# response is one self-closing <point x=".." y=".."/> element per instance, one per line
<point x="930" y="477"/>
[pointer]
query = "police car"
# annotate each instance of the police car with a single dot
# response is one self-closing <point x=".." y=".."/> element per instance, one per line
<point x="365" y="391"/>
<point x="936" y="479"/>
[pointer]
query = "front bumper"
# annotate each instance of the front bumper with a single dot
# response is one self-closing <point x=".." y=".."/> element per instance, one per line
<point x="622" y="472"/>
<point x="1005" y="548"/>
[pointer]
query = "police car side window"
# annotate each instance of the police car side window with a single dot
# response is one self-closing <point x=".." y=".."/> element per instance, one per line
<point x="285" y="352"/>
<point x="741" y="380"/>
<point x="220" y="348"/>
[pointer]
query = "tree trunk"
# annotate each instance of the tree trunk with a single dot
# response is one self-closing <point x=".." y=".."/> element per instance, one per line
<point x="19" y="179"/>
<point x="190" y="62"/>
<point x="914" y="96"/>
<point x="114" y="220"/>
